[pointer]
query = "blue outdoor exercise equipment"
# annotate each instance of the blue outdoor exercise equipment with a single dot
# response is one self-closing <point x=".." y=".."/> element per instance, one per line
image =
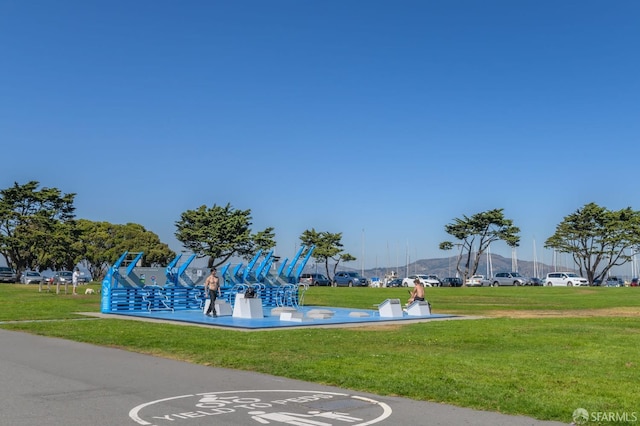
<point x="128" y="287"/>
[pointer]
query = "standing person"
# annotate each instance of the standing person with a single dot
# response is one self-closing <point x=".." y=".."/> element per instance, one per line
<point x="213" y="287"/>
<point x="418" y="292"/>
<point x="74" y="280"/>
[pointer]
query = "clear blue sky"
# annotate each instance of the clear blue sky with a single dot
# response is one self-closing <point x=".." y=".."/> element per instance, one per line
<point x="383" y="120"/>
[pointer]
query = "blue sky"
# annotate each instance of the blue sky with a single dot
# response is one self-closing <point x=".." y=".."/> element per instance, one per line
<point x="383" y="120"/>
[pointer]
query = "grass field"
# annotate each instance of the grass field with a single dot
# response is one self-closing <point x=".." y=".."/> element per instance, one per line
<point x="537" y="351"/>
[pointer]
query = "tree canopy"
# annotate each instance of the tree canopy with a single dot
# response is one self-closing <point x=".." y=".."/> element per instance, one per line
<point x="597" y="238"/>
<point x="475" y="234"/>
<point x="221" y="233"/>
<point x="37" y="227"/>
<point x="38" y="231"/>
<point x="103" y="243"/>
<point x="328" y="246"/>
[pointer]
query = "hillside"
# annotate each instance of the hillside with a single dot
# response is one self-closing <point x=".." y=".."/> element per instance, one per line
<point x="446" y="267"/>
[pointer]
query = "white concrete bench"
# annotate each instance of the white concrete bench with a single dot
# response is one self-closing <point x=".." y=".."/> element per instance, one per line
<point x="291" y="316"/>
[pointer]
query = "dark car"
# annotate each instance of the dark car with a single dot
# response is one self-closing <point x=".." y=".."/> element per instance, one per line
<point x="349" y="279"/>
<point x="634" y="282"/>
<point x="7" y="275"/>
<point x="614" y="282"/>
<point x="314" y="279"/>
<point x="451" y="282"/>
<point x="397" y="282"/>
<point x="534" y="282"/>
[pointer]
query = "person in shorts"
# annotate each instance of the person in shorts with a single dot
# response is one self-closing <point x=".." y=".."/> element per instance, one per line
<point x="74" y="280"/>
<point x="417" y="294"/>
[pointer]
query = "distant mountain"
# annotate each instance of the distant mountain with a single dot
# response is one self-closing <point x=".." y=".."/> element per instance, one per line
<point x="446" y="267"/>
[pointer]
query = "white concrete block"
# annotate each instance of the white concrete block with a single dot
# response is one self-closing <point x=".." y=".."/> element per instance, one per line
<point x="275" y="312"/>
<point x="419" y="309"/>
<point x="223" y="308"/>
<point x="390" y="308"/>
<point x="320" y="313"/>
<point x="291" y="316"/>
<point x="247" y="308"/>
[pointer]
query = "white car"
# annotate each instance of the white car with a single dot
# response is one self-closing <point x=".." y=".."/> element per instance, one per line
<point x="427" y="280"/>
<point x="475" y="281"/>
<point x="565" y="279"/>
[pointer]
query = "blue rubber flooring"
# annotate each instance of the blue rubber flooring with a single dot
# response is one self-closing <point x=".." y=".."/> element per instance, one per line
<point x="340" y="316"/>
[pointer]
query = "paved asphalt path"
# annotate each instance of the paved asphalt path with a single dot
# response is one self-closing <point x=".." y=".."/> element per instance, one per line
<point x="51" y="382"/>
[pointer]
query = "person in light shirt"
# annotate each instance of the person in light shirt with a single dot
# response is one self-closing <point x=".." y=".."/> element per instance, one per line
<point x="74" y="280"/>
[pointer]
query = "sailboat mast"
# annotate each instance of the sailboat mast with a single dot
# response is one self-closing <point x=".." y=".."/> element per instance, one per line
<point x="535" y="260"/>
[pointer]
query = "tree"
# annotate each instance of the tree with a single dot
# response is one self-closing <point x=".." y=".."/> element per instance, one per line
<point x="221" y="233"/>
<point x="327" y="246"/>
<point x="37" y="227"/>
<point x="134" y="237"/>
<point x="597" y="238"/>
<point x="103" y="243"/>
<point x="477" y="233"/>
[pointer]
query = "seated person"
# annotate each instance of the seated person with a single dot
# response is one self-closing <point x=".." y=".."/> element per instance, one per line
<point x="417" y="294"/>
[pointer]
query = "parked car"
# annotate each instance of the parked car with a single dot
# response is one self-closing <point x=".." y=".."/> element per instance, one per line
<point x="534" y="281"/>
<point x="614" y="282"/>
<point x="435" y="278"/>
<point x="507" y="278"/>
<point x="634" y="282"/>
<point x="7" y="275"/>
<point x="375" y="282"/>
<point x="475" y="280"/>
<point x="314" y="279"/>
<point x="427" y="280"/>
<point x="565" y="279"/>
<point x="31" y="277"/>
<point x="396" y="282"/>
<point x="84" y="278"/>
<point x="349" y="279"/>
<point x="67" y="277"/>
<point x="451" y="282"/>
<point x="62" y="277"/>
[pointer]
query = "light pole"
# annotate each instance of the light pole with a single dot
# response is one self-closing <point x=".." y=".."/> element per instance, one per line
<point x="459" y="245"/>
<point x="362" y="252"/>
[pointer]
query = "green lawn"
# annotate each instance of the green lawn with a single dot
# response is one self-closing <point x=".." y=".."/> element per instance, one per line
<point x="539" y="352"/>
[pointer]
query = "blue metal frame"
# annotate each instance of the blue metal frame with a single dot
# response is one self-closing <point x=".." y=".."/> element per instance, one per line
<point x="119" y="295"/>
<point x="281" y="268"/>
<point x="304" y="263"/>
<point x="183" y="268"/>
<point x="250" y="266"/>
<point x="262" y="265"/>
<point x="294" y="261"/>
